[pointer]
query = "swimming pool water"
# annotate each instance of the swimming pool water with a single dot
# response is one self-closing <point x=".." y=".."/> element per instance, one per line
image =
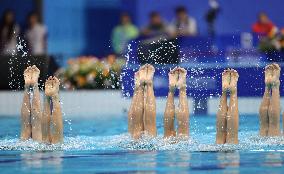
<point x="101" y="145"/>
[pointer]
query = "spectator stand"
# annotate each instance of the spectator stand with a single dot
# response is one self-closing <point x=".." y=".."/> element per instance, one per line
<point x="204" y="59"/>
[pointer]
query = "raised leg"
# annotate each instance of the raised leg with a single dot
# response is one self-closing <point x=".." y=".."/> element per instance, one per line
<point x="36" y="114"/>
<point x="263" y="113"/>
<point x="169" y="115"/>
<point x="26" y="128"/>
<point x="56" y="121"/>
<point x="46" y="117"/>
<point x="283" y="121"/>
<point x="182" y="110"/>
<point x="36" y="118"/>
<point x="150" y="104"/>
<point x="221" y="121"/>
<point x="135" y="114"/>
<point x="233" y="111"/>
<point x="274" y="107"/>
<point x="56" y="130"/>
<point x="263" y="109"/>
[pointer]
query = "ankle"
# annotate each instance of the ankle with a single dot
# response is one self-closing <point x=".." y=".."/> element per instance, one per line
<point x="268" y="86"/>
<point x="55" y="97"/>
<point x="171" y="89"/>
<point x="149" y="83"/>
<point x="275" y="84"/>
<point x="182" y="88"/>
<point x="34" y="86"/>
<point x="233" y="91"/>
<point x="27" y="88"/>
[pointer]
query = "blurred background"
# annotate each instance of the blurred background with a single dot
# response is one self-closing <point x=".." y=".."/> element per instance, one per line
<point x="98" y="44"/>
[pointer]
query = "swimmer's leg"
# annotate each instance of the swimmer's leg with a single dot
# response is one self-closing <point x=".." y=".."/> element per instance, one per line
<point x="221" y="122"/>
<point x="263" y="112"/>
<point x="274" y="107"/>
<point x="233" y="111"/>
<point x="283" y="121"/>
<point x="26" y="128"/>
<point x="51" y="90"/>
<point x="182" y="110"/>
<point x="263" y="109"/>
<point x="56" y="121"/>
<point x="274" y="113"/>
<point x="36" y="115"/>
<point x="169" y="115"/>
<point x="135" y="114"/>
<point x="150" y="104"/>
<point x="46" y="116"/>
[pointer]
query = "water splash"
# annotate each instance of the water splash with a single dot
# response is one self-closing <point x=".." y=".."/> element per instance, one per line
<point x="124" y="142"/>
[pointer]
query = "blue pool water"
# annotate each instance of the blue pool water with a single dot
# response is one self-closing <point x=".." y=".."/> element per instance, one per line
<point x="101" y="145"/>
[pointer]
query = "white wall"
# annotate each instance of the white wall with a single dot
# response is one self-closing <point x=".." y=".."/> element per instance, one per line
<point x="110" y="102"/>
<point x="80" y="103"/>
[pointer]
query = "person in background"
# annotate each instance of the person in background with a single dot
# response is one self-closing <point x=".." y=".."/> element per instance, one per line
<point x="264" y="26"/>
<point x="36" y="35"/>
<point x="281" y="39"/>
<point x="9" y="31"/>
<point x="211" y="16"/>
<point x="278" y="41"/>
<point x="156" y="26"/>
<point x="123" y="33"/>
<point x="183" y="25"/>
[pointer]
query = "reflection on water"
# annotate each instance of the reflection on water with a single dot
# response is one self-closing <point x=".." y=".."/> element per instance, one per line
<point x="41" y="159"/>
<point x="273" y="160"/>
<point x="229" y="161"/>
<point x="175" y="159"/>
<point x="141" y="161"/>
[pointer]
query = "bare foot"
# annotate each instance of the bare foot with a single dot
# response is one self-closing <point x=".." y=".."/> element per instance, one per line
<point x="234" y="81"/>
<point x="150" y="74"/>
<point x="181" y="84"/>
<point x="31" y="75"/>
<point x="268" y="75"/>
<point x="173" y="79"/>
<point x="137" y="79"/>
<point x="275" y="74"/>
<point x="143" y="74"/>
<point x="226" y="78"/>
<point x="52" y="87"/>
<point x="28" y="76"/>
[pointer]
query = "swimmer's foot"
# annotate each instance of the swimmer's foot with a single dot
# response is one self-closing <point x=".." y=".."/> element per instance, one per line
<point x="143" y="74"/>
<point x="181" y="84"/>
<point x="226" y="78"/>
<point x="137" y="79"/>
<point x="275" y="75"/>
<point x="31" y="75"/>
<point x="173" y="79"/>
<point x="234" y="81"/>
<point x="150" y="74"/>
<point x="52" y="87"/>
<point x="268" y="75"/>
